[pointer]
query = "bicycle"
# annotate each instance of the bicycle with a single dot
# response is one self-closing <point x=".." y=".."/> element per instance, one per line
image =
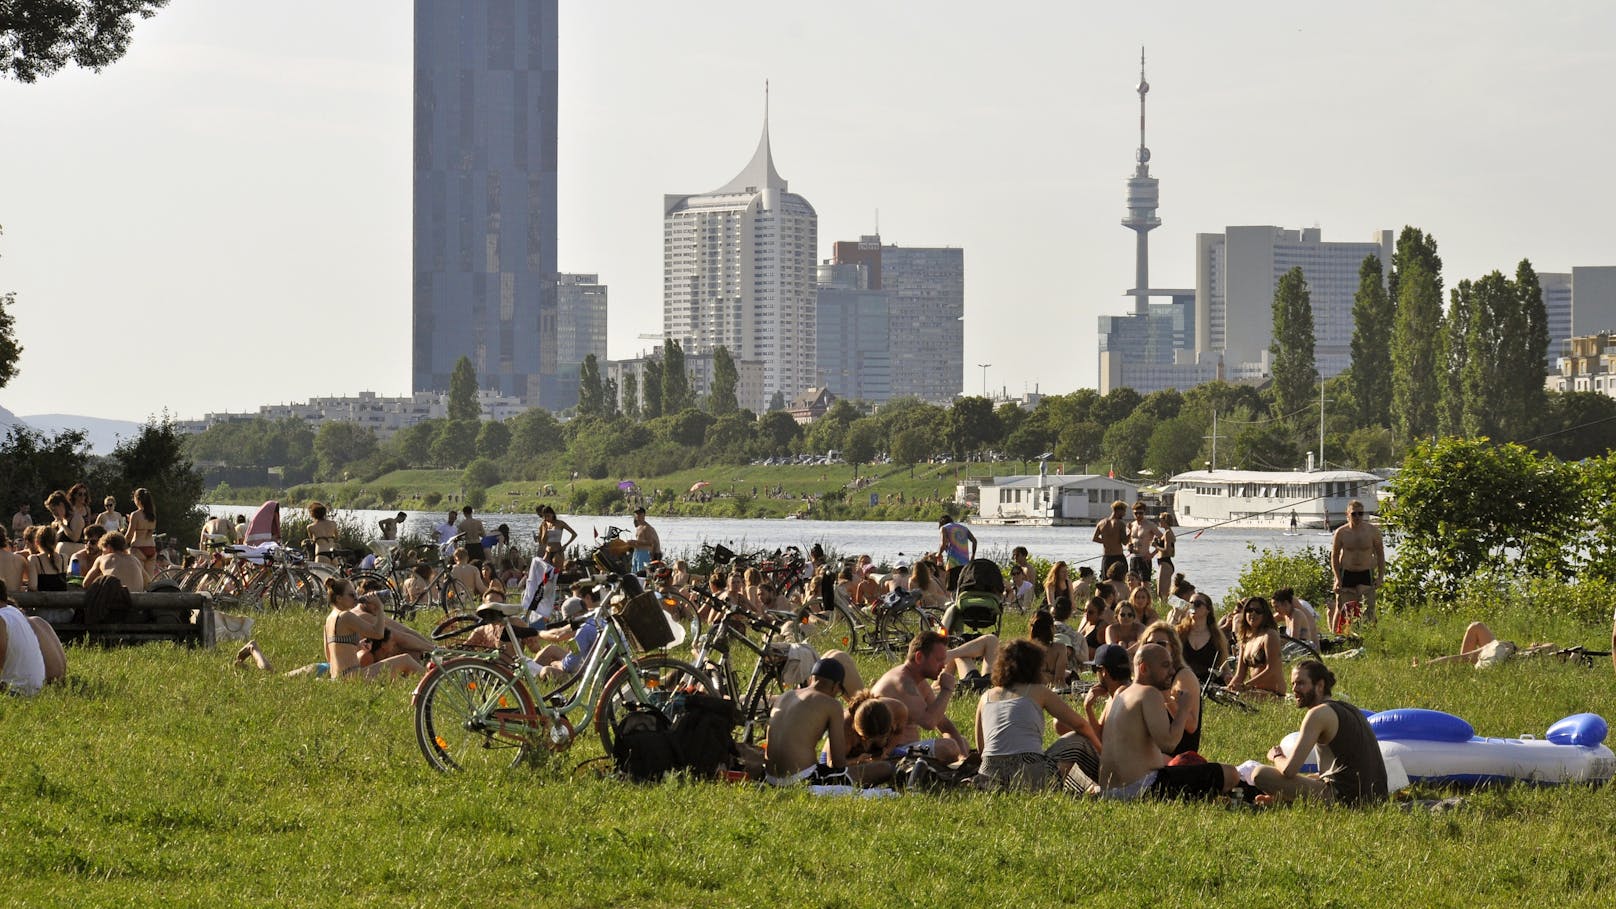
<point x="482" y="710"/>
<point x="714" y="658"/>
<point x="1213" y="690"/>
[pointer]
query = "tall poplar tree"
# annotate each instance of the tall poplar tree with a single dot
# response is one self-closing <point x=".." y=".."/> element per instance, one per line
<point x="1416" y="343"/>
<point x="651" y="388"/>
<point x="1296" y="375"/>
<point x="1529" y="362"/>
<point x="1370" y="380"/>
<point x="1468" y="361"/>
<point x="631" y="396"/>
<point x="725" y="378"/>
<point x="463" y="392"/>
<point x="591" y="394"/>
<point x="675" y="381"/>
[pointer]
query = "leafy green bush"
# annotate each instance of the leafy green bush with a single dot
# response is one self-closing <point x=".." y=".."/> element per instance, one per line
<point x="1306" y="571"/>
<point x="432" y="499"/>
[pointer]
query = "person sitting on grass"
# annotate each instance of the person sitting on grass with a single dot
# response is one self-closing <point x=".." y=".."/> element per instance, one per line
<point x="1301" y="620"/>
<point x="1184" y="696"/>
<point x="1094" y="624"/>
<point x="871" y="722"/>
<point x="800" y="719"/>
<point x="31" y="655"/>
<point x="469" y="575"/>
<point x="1010" y="725"/>
<point x="354" y="619"/>
<point x="927" y="707"/>
<point x="418" y="586"/>
<point x="1260" y="667"/>
<point x="1352" y="770"/>
<point x="117" y="562"/>
<point x="1483" y="649"/>
<point x="1056" y="656"/>
<point x="1126" y="629"/>
<point x="555" y="662"/>
<point x="1138" y="731"/>
<point x="13" y="567"/>
<point x="1067" y="636"/>
<point x="1205" y="647"/>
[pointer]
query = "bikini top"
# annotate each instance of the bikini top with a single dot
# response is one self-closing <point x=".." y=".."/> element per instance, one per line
<point x="351" y="639"/>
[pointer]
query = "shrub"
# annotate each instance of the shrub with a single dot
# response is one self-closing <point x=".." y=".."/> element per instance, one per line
<point x="1306" y="571"/>
<point x="431" y="499"/>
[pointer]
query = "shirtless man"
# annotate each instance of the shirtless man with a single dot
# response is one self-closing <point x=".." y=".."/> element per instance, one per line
<point x="21" y="521"/>
<point x="1301" y="622"/>
<point x="1353" y="771"/>
<point x="1138" y="729"/>
<point x="647" y="545"/>
<point x="1111" y="534"/>
<point x="391" y="525"/>
<point x="119" y="563"/>
<point x="468" y="574"/>
<point x="13" y="567"/>
<point x="910" y="684"/>
<point x="1142" y="536"/>
<point x="216" y="529"/>
<point x="471" y="532"/>
<point x="1358" y="559"/>
<point x="800" y="719"/>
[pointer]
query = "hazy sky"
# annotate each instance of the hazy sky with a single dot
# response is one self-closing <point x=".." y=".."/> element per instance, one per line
<point x="222" y="219"/>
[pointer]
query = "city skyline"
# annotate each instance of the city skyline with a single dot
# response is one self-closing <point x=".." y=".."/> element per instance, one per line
<point x="240" y="181"/>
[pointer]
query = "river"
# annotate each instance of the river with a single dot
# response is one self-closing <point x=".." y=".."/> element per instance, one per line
<point x="1213" y="561"/>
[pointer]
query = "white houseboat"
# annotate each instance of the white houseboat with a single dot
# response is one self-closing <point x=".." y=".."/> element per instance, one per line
<point x="1049" y="501"/>
<point x="1277" y="499"/>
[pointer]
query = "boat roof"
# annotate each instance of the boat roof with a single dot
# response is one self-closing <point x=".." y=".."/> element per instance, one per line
<point x="1275" y="476"/>
<point x="1057" y="480"/>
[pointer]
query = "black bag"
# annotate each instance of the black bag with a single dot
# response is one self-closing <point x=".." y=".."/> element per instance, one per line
<point x="704" y="735"/>
<point x="982" y="575"/>
<point x="643" y="746"/>
<point x="924" y="773"/>
<point x="106" y="600"/>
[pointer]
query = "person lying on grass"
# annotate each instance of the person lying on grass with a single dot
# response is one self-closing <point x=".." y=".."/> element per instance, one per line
<point x="1484" y="650"/>
<point x="1352" y="770"/>
<point x="800" y="718"/>
<point x="31" y="656"/>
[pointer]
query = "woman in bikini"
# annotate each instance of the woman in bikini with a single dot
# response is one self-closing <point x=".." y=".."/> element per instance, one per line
<point x="355" y="619"/>
<point x="46" y="570"/>
<point x="556" y="535"/>
<point x="322" y="533"/>
<point x="1260" y="668"/>
<point x="143" y="531"/>
<point x="1094" y="624"/>
<point x="1126" y="629"/>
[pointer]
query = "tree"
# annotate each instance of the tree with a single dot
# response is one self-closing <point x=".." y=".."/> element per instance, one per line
<point x="535" y="432"/>
<point x="1296" y="375"/>
<point x="10" y="350"/>
<point x="463" y="392"/>
<point x="675" y="381"/>
<point x="1123" y="448"/>
<point x="1526" y="354"/>
<point x="1416" y="342"/>
<point x="413" y="444"/>
<point x="1464" y="334"/>
<point x="155" y="458"/>
<point x="1370" y="380"/>
<point x="862" y="441"/>
<point x="972" y="425"/>
<point x="776" y="431"/>
<point x="493" y="439"/>
<point x="725" y="379"/>
<point x="651" y="389"/>
<point x="455" y="443"/>
<point x="911" y="446"/>
<point x="35" y="464"/>
<point x="1080" y="443"/>
<point x="339" y="445"/>
<point x="1173" y="446"/>
<point x="777" y="401"/>
<point x="591" y="394"/>
<point x="39" y="38"/>
<point x="689" y="427"/>
<point x="1413" y="246"/>
<point x="1575" y="425"/>
<point x="631" y="396"/>
<point x="608" y="398"/>
<point x="480" y="474"/>
<point x="729" y="438"/>
<point x="1114" y="407"/>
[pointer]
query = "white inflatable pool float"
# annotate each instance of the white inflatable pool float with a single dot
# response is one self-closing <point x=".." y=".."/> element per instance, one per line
<point x="1430" y="746"/>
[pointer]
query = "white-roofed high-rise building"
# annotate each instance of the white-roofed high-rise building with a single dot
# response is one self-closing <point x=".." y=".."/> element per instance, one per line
<point x="739" y="270"/>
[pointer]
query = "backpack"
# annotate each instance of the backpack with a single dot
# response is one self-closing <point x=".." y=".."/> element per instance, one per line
<point x="643" y="745"/>
<point x="704" y="735"/>
<point x="924" y="773"/>
<point x="106" y="600"/>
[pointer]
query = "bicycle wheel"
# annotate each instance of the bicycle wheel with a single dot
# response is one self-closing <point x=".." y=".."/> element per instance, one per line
<point x="827" y="631"/>
<point x="451" y="596"/>
<point x="473" y="714"/>
<point x="755" y="719"/>
<point x="1292" y="649"/>
<point x="1230" y="698"/>
<point x="894" y="630"/>
<point x="379" y="585"/>
<point x="666" y="681"/>
<point x="218" y="582"/>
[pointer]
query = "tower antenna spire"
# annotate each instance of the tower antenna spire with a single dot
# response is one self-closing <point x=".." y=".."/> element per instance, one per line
<point x="1142" y="199"/>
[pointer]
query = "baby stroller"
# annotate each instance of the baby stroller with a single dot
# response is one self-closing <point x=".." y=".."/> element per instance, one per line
<point x="978" y="606"/>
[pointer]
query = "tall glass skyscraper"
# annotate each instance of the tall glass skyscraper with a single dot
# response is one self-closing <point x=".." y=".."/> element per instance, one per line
<point x="485" y="195"/>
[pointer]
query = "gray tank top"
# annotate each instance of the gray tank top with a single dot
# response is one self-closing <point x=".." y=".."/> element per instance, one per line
<point x="1012" y="725"/>
<point x="1356" y="770"/>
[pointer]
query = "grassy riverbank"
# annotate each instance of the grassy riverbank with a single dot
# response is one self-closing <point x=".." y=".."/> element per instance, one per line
<point x="163" y="776"/>
<point x="829" y="492"/>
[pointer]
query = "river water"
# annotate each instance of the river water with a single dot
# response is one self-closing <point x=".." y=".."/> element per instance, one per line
<point x="1213" y="561"/>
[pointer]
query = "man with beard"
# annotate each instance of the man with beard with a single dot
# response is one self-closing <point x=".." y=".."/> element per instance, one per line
<point x="1351" y="769"/>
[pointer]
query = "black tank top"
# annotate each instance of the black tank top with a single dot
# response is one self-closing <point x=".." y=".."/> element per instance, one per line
<point x="1191" y="740"/>
<point x="1357" y="771"/>
<point x="1201" y="659"/>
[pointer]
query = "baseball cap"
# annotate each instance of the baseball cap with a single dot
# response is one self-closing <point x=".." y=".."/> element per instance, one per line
<point x="830" y="670"/>
<point x="901" y="566"/>
<point x="1114" y="660"/>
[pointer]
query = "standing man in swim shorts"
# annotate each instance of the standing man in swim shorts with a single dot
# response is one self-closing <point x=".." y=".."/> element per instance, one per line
<point x="647" y="545"/>
<point x="1142" y="535"/>
<point x="1358" y="559"/>
<point x="1111" y="534"/>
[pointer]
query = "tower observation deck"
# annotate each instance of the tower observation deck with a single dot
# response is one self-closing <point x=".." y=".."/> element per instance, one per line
<point x="1143" y="196"/>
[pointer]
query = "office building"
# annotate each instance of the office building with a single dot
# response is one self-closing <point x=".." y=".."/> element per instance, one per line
<point x="854" y="341"/>
<point x="739" y="271"/>
<point x="581" y="305"/>
<point x="925" y="291"/>
<point x="485" y="196"/>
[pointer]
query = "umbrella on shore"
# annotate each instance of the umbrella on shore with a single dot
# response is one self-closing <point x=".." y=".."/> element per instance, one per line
<point x="700" y="484"/>
<point x="626" y="485"/>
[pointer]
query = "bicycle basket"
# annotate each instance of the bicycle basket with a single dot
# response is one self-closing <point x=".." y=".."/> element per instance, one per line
<point x="647" y="625"/>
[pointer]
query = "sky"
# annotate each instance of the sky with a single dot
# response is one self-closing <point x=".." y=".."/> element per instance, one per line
<point x="222" y="218"/>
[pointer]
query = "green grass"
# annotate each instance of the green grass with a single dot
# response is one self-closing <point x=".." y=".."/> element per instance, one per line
<point x="163" y="776"/>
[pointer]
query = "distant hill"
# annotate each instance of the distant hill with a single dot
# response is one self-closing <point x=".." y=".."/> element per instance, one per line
<point x="8" y="420"/>
<point x="103" y="435"/>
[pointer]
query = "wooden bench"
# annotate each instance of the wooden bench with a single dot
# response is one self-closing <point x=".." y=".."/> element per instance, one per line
<point x="185" y="618"/>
